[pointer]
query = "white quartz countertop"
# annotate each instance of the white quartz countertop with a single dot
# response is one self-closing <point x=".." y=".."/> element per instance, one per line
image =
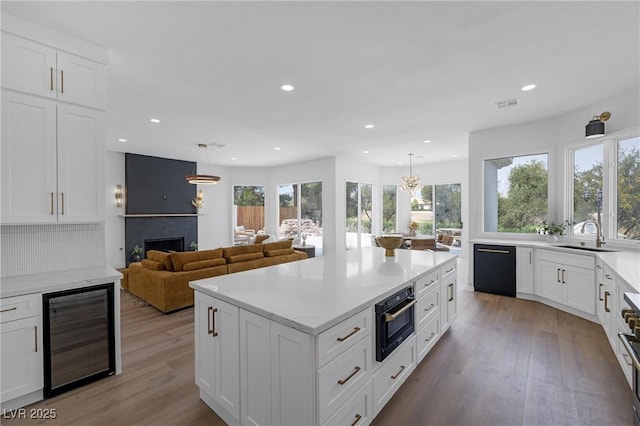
<point x="314" y="294"/>
<point x="56" y="281"/>
<point x="625" y="263"/>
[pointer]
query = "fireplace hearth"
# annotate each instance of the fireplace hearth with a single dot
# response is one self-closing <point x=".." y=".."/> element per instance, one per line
<point x="164" y="233"/>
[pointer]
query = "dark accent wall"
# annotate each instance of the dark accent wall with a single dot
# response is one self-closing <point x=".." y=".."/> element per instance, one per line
<point x="157" y="186"/>
<point x="139" y="229"/>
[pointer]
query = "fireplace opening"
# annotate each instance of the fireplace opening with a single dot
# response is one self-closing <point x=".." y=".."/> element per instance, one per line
<point x="164" y="244"/>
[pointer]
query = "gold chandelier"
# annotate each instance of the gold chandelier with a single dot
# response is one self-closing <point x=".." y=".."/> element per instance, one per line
<point x="410" y="183"/>
<point x="197" y="179"/>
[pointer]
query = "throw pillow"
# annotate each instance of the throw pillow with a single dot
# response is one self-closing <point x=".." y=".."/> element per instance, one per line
<point x="152" y="264"/>
<point x="162" y="257"/>
<point x="234" y="251"/>
<point x="279" y="252"/>
<point x="201" y="264"/>
<point x="283" y="244"/>
<point x="244" y="257"/>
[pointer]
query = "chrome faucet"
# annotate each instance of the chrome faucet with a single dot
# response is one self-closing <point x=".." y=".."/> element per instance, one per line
<point x="599" y="237"/>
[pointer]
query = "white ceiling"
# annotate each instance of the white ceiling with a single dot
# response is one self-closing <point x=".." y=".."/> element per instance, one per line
<point x="212" y="71"/>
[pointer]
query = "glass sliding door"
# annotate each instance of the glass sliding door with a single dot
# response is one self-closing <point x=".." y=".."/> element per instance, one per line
<point x="365" y="214"/>
<point x="448" y="214"/>
<point x="359" y="214"/>
<point x="248" y="212"/>
<point x="311" y="214"/>
<point x="422" y="210"/>
<point x="389" y="208"/>
<point x="288" y="211"/>
<point x="351" y="215"/>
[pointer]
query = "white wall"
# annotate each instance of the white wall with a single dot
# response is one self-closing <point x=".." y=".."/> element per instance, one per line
<point x="214" y="226"/>
<point x="551" y="135"/>
<point x="114" y="223"/>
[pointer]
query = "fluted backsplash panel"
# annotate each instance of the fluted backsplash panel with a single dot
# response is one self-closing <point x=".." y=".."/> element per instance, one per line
<point x="32" y="249"/>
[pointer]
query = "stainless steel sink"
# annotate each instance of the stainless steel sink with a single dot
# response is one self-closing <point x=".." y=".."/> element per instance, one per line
<point x="585" y="248"/>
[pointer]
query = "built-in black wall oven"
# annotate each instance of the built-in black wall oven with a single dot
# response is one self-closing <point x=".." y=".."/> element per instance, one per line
<point x="394" y="321"/>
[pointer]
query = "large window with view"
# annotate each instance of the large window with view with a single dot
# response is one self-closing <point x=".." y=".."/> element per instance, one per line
<point x="301" y="220"/>
<point x="389" y="208"/>
<point x="606" y="193"/>
<point x="516" y="193"/>
<point x="248" y="204"/>
<point x="358" y="215"/>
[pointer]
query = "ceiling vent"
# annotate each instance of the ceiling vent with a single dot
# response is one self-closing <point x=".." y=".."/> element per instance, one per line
<point x="509" y="103"/>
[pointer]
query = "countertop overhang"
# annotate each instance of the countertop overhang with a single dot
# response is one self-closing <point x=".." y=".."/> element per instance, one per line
<point x="314" y="294"/>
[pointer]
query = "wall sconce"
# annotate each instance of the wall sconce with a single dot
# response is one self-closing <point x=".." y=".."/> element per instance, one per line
<point x="119" y="196"/>
<point x="595" y="128"/>
<point x="199" y="200"/>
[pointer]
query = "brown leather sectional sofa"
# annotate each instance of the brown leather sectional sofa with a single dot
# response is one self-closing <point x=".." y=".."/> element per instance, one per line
<point x="162" y="279"/>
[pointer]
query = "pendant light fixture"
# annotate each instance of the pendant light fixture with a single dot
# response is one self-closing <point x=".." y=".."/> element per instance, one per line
<point x="197" y="179"/>
<point x="411" y="183"/>
<point x="595" y="128"/>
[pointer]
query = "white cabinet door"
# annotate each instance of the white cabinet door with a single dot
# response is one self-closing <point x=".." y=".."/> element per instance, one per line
<point x="292" y="383"/>
<point x="218" y="351"/>
<point x="524" y="270"/>
<point x="28" y="159"/>
<point x="21" y="353"/>
<point x="225" y="326"/>
<point x="548" y="280"/>
<point x="578" y="284"/>
<point x="448" y="301"/>
<point x="28" y="66"/>
<point x="255" y="369"/>
<point x="81" y="81"/>
<point x="205" y="352"/>
<point x="80" y="164"/>
<point x="40" y="70"/>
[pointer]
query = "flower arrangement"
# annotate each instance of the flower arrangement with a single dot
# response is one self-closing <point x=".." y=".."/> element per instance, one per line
<point x="553" y="228"/>
<point x="136" y="253"/>
<point x="413" y="227"/>
<point x="193" y="246"/>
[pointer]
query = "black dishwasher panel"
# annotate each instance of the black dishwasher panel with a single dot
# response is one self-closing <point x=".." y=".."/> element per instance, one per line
<point x="494" y="269"/>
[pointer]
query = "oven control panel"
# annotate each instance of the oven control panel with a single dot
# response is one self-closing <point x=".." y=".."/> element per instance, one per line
<point x="633" y="321"/>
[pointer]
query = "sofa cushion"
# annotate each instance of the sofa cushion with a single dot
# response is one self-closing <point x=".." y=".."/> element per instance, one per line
<point x="181" y="258"/>
<point x="246" y="249"/>
<point x="201" y="264"/>
<point x="278" y="252"/>
<point x="162" y="257"/>
<point x="282" y="244"/>
<point x="153" y="265"/>
<point x="244" y="257"/>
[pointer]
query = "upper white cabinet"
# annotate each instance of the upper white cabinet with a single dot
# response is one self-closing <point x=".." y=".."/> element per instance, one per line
<point x="52" y="134"/>
<point x="52" y="161"/>
<point x="44" y="71"/>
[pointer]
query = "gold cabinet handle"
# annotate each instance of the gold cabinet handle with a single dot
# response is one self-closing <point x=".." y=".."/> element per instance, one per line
<point x="606" y="301"/>
<point x="62" y="197"/>
<point x="558" y="278"/>
<point x="214" y="333"/>
<point x="430" y="337"/>
<point x="61" y="81"/>
<point x="10" y="309"/>
<point x="342" y="339"/>
<point x="563" y="271"/>
<point x="51" y="202"/>
<point x="51" y="79"/>
<point x="209" y="315"/>
<point x="627" y="359"/>
<point x="343" y="381"/>
<point x="402" y="367"/>
<point x="391" y="317"/>
<point x="430" y="282"/>
<point x="452" y="292"/>
<point x="36" y="334"/>
<point x="600" y="291"/>
<point x="429" y="308"/>
<point x="356" y="419"/>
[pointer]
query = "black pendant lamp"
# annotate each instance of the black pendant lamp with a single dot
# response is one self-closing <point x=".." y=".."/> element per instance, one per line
<point x="595" y="128"/>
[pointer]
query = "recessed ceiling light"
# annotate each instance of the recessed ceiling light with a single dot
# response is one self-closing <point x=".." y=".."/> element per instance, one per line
<point x="427" y="141"/>
<point x="528" y="87"/>
<point x="455" y="155"/>
<point x="365" y="152"/>
<point x="122" y="140"/>
<point x="287" y="87"/>
<point x="154" y="120"/>
<point x="277" y="148"/>
<point x="233" y="158"/>
<point x="369" y="126"/>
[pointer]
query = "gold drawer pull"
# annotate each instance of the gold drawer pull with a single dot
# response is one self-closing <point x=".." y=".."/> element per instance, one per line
<point x="51" y="79"/>
<point x="430" y="282"/>
<point x="430" y="337"/>
<point x="342" y="339"/>
<point x="342" y="382"/>
<point x="398" y="373"/>
<point x="429" y="308"/>
<point x="356" y="420"/>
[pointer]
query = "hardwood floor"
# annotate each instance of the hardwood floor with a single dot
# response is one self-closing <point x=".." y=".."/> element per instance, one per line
<point x="504" y="362"/>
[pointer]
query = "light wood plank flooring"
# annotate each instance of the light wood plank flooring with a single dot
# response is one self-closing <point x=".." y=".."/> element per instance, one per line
<point x="504" y="362"/>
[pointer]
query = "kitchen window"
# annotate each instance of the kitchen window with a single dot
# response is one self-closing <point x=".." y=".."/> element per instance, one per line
<point x="606" y="188"/>
<point x="516" y="193"/>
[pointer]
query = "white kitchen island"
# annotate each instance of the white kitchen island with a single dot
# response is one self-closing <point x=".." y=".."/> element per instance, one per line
<point x="295" y="343"/>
